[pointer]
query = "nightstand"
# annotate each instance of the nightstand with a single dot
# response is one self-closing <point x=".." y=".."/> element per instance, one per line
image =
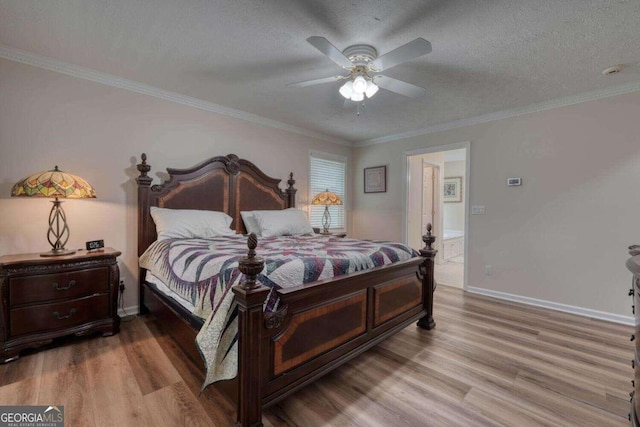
<point x="317" y="231"/>
<point x="47" y="297"/>
<point x="341" y="235"/>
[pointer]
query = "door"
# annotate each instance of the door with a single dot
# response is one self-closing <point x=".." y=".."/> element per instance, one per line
<point x="426" y="171"/>
<point x="430" y="200"/>
<point x="428" y="195"/>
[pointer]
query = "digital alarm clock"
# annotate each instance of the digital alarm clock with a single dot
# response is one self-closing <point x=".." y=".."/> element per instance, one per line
<point x="95" y="245"/>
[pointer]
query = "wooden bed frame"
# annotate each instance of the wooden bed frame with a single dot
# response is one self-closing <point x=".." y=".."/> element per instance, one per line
<point x="320" y="326"/>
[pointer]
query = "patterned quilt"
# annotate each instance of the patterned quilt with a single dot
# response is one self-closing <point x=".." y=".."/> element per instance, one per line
<point x="203" y="271"/>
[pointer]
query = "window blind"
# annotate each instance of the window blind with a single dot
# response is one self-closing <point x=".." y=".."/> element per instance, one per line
<point x="327" y="172"/>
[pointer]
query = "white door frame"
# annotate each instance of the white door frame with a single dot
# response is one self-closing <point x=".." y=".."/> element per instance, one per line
<point x="465" y="194"/>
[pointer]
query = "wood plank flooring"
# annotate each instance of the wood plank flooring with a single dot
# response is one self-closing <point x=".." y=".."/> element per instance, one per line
<point x="450" y="274"/>
<point x="487" y="363"/>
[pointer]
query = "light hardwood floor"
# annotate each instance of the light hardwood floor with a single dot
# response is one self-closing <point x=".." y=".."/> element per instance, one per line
<point x="450" y="274"/>
<point x="487" y="363"/>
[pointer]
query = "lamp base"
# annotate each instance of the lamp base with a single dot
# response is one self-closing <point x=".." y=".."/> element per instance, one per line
<point x="58" y="252"/>
<point x="57" y="236"/>
<point x="326" y="221"/>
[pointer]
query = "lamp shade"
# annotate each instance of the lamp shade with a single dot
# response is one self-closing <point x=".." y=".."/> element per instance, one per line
<point x="359" y="84"/>
<point x="347" y="89"/>
<point x="326" y="198"/>
<point x="53" y="183"/>
<point x="58" y="185"/>
<point x="357" y="97"/>
<point x="372" y="89"/>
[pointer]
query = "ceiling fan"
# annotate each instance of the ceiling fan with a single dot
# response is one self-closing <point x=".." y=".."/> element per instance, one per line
<point x="363" y="65"/>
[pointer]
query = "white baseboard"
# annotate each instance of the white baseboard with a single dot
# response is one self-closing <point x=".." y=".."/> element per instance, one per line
<point x="128" y="311"/>
<point x="580" y="311"/>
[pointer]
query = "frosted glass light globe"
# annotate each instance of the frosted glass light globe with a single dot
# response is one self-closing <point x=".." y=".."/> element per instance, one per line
<point x="359" y="84"/>
<point x="372" y="89"/>
<point x="347" y="89"/>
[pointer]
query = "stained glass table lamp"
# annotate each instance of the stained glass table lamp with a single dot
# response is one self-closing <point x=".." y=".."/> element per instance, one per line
<point x="55" y="184"/>
<point x="326" y="198"/>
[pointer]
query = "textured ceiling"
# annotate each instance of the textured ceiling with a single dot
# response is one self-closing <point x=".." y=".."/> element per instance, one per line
<point x="488" y="56"/>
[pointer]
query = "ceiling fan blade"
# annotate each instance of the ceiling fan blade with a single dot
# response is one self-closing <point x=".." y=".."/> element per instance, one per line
<point x="398" y="86"/>
<point x="324" y="46"/>
<point x="404" y="53"/>
<point x="316" y="81"/>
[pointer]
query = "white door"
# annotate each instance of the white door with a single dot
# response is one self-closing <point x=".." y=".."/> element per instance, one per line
<point x="430" y="200"/>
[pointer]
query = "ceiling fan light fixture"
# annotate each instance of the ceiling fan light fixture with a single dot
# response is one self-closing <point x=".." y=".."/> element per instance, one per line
<point x="357" y="97"/>
<point x="359" y="85"/>
<point x="346" y="89"/>
<point x="363" y="64"/>
<point x="372" y="89"/>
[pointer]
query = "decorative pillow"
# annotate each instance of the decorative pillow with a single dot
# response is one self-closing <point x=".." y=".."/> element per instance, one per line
<point x="250" y="223"/>
<point x="190" y="223"/>
<point x="288" y="222"/>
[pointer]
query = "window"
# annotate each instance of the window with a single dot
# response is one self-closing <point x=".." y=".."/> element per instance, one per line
<point x="327" y="172"/>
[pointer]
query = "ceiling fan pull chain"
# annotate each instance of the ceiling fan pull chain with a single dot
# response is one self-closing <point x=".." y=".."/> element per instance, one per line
<point x="358" y="105"/>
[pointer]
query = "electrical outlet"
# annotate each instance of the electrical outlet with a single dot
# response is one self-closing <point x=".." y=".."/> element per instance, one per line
<point x="121" y="287"/>
<point x="488" y="270"/>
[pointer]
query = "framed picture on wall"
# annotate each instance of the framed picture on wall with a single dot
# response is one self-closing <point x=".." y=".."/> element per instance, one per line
<point x="375" y="179"/>
<point x="453" y="189"/>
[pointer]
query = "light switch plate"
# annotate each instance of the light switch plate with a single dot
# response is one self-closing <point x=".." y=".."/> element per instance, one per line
<point x="477" y="210"/>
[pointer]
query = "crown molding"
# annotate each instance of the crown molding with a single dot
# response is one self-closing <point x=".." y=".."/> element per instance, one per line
<point x="533" y="108"/>
<point x="62" y="67"/>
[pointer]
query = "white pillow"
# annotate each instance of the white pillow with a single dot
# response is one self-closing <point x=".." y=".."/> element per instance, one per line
<point x="250" y="223"/>
<point x="190" y="223"/>
<point x="288" y="222"/>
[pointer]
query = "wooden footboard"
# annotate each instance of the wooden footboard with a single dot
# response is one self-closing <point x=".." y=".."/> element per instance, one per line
<point x="322" y="325"/>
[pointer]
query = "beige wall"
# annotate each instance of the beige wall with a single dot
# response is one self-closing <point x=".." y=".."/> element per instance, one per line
<point x="559" y="237"/>
<point x="98" y="132"/>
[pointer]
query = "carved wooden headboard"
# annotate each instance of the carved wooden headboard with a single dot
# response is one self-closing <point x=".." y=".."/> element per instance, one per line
<point x="223" y="183"/>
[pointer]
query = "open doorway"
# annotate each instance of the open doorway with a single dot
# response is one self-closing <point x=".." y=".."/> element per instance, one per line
<point x="437" y="193"/>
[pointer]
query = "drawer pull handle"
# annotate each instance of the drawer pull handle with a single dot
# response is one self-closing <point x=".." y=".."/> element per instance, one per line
<point x="57" y="315"/>
<point x="69" y="285"/>
<point x="631" y="292"/>
<point x="633" y="337"/>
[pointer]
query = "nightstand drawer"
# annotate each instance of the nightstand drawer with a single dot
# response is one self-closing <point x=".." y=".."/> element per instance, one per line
<point x="45" y="317"/>
<point x="46" y="287"/>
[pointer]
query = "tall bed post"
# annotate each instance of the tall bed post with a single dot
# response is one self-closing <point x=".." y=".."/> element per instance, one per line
<point x="425" y="274"/>
<point x="291" y="192"/>
<point x="144" y="182"/>
<point x="250" y="296"/>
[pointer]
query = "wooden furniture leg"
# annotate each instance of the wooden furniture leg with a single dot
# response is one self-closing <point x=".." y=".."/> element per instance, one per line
<point x="425" y="274"/>
<point x="250" y="296"/>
